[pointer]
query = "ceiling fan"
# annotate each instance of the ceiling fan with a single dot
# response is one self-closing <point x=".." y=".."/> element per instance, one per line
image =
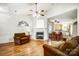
<point x="40" y="12"/>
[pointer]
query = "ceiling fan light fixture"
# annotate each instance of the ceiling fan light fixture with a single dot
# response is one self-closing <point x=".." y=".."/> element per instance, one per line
<point x="42" y="10"/>
<point x="35" y="3"/>
<point x="37" y="13"/>
<point x="42" y="14"/>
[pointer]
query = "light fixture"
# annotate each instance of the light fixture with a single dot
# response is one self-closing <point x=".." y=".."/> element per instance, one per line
<point x="37" y="12"/>
<point x="56" y="21"/>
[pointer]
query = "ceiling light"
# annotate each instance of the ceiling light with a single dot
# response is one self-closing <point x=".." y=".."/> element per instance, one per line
<point x="38" y="13"/>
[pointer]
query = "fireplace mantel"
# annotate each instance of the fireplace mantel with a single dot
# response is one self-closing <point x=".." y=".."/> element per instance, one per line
<point x="44" y="30"/>
<point x="40" y="25"/>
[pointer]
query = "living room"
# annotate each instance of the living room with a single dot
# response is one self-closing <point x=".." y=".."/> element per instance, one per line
<point x="42" y="25"/>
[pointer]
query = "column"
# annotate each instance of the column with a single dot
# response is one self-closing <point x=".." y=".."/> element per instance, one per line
<point x="77" y="21"/>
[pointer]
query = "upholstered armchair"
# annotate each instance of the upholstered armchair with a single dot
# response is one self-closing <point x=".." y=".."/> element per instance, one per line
<point x="21" y="38"/>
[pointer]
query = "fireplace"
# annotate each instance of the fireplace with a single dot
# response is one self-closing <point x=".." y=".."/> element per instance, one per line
<point x="39" y="35"/>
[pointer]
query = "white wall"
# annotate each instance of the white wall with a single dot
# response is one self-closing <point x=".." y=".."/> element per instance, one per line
<point x="4" y="21"/>
<point x="8" y="26"/>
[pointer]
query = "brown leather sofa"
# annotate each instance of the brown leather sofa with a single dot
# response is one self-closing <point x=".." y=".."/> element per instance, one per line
<point x="69" y="48"/>
<point x="21" y="38"/>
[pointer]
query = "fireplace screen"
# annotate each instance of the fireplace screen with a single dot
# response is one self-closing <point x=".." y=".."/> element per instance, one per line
<point x="40" y="35"/>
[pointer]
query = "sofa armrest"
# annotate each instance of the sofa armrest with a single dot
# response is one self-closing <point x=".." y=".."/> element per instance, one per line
<point x="51" y="51"/>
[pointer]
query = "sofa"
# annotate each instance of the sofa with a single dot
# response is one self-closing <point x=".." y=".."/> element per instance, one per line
<point x="21" y="38"/>
<point x="69" y="48"/>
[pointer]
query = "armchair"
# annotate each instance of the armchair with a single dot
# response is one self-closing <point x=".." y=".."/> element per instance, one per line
<point x="56" y="36"/>
<point x="21" y="38"/>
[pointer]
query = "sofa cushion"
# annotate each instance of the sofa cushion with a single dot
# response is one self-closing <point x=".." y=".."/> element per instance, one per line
<point x="75" y="52"/>
<point x="68" y="46"/>
<point x="76" y="38"/>
<point x="72" y="43"/>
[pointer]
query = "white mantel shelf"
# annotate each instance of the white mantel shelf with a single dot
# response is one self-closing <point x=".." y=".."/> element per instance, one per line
<point x="35" y="30"/>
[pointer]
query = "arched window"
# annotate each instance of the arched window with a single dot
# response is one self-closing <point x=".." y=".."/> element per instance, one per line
<point x="23" y="23"/>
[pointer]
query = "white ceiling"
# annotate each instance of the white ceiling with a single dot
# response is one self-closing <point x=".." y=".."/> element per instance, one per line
<point x="24" y="8"/>
<point x="67" y="15"/>
<point x="29" y="9"/>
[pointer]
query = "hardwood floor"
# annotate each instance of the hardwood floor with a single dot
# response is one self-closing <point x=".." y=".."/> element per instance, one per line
<point x="33" y="48"/>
